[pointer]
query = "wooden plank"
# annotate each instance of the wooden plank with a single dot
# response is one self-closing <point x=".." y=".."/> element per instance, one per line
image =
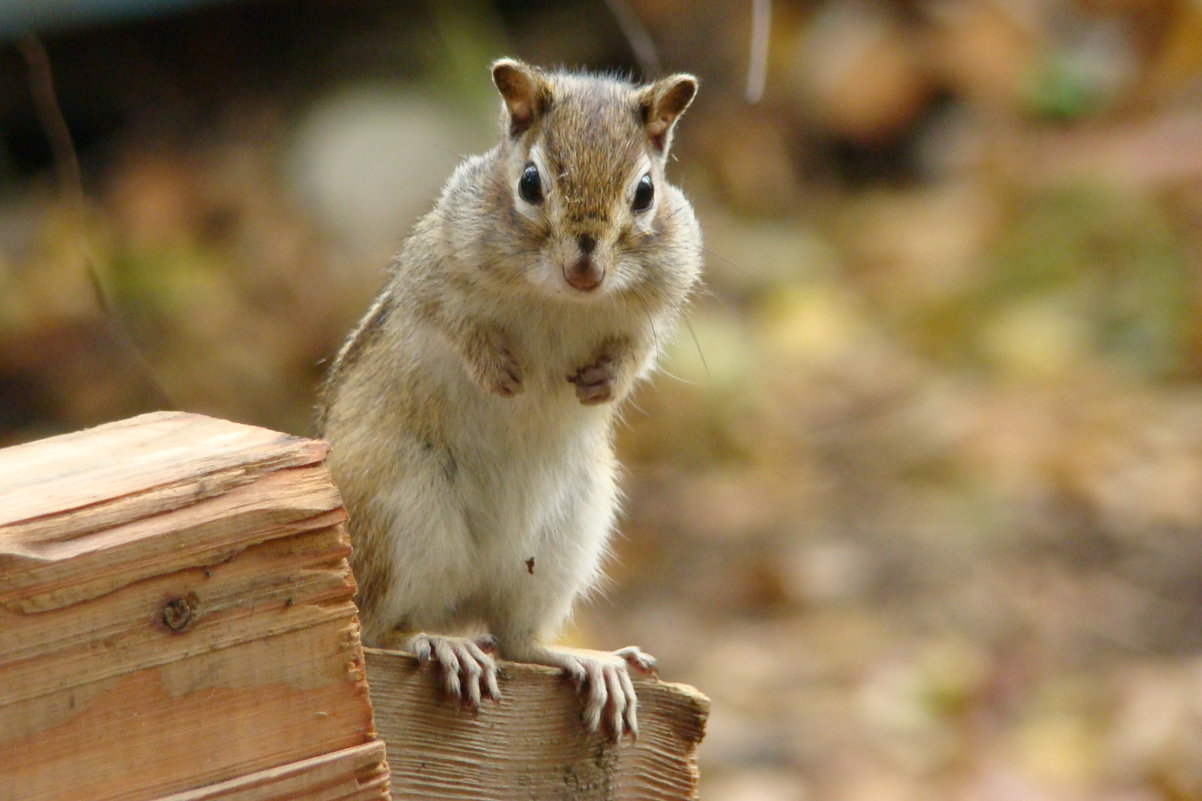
<point x="531" y="743"/>
<point x="276" y="587"/>
<point x="77" y="483"/>
<point x="64" y="571"/>
<point x="353" y="774"/>
<point x="175" y="611"/>
<point x="187" y="723"/>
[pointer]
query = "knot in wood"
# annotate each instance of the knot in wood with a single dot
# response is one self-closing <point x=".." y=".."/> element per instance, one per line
<point x="178" y="614"/>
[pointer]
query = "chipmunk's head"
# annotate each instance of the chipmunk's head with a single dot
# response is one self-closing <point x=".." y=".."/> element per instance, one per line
<point x="583" y="167"/>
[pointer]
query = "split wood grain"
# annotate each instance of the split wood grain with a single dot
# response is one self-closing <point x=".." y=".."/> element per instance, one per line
<point x="175" y="611"/>
<point x="354" y="774"/>
<point x="531" y="743"/>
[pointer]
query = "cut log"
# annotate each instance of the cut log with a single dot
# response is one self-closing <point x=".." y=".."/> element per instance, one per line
<point x="356" y="774"/>
<point x="177" y="624"/>
<point x="175" y="612"/>
<point x="531" y="743"/>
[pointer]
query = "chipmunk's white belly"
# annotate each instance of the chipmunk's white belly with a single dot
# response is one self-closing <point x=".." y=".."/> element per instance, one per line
<point x="523" y="511"/>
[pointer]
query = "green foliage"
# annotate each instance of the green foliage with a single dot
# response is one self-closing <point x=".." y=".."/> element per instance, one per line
<point x="1063" y="90"/>
<point x="1080" y="278"/>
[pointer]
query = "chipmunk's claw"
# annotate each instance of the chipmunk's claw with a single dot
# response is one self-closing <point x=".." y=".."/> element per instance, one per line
<point x="469" y="675"/>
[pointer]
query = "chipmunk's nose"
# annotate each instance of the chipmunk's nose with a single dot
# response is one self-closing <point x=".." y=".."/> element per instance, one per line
<point x="585" y="273"/>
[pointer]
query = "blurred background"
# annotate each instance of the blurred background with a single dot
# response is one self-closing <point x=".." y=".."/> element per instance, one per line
<point x="918" y="501"/>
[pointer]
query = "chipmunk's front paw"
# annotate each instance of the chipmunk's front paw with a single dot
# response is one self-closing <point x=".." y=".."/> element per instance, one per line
<point x="496" y="368"/>
<point x="595" y="382"/>
<point x="506" y="381"/>
<point x="469" y="675"/>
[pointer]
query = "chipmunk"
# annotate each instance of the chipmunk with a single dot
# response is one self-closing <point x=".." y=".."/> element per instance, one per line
<point x="471" y="412"/>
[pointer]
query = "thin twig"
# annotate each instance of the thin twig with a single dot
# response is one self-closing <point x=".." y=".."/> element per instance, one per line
<point x="757" y="67"/>
<point x="637" y="36"/>
<point x="70" y="181"/>
<point x="50" y="114"/>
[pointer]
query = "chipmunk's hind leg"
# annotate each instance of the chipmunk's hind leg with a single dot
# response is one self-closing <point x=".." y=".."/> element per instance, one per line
<point x="469" y="675"/>
<point x="602" y="681"/>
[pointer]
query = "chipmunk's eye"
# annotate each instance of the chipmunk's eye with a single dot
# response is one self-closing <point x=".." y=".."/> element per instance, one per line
<point x="644" y="193"/>
<point x="530" y="187"/>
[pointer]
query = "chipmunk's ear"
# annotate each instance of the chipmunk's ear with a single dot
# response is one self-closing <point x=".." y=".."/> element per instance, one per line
<point x="662" y="103"/>
<point x="526" y="92"/>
